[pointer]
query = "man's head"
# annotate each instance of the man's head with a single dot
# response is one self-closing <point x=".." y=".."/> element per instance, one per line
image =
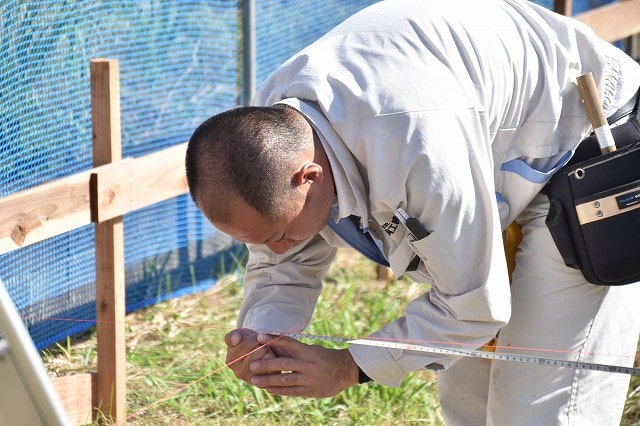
<point x="260" y="175"/>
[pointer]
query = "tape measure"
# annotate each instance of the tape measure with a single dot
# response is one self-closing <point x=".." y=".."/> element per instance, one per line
<point x="607" y="368"/>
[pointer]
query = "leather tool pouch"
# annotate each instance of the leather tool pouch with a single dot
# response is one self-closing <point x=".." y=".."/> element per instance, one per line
<point x="594" y="212"/>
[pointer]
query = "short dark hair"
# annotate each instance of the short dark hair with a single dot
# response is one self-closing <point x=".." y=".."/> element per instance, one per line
<point x="246" y="152"/>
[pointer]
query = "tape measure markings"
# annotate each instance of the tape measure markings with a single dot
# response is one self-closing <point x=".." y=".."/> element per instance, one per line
<point x="554" y="362"/>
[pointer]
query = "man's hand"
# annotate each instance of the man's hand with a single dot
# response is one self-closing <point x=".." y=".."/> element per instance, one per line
<point x="297" y="369"/>
<point x="243" y="349"/>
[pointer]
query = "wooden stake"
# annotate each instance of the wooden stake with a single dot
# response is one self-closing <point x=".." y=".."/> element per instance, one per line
<point x="563" y="7"/>
<point x="109" y="235"/>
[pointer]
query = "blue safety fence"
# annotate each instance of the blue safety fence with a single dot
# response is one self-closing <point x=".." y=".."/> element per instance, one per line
<point x="178" y="65"/>
<point x="180" y="62"/>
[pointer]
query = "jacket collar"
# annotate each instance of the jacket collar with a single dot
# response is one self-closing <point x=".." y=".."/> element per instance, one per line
<point x="350" y="187"/>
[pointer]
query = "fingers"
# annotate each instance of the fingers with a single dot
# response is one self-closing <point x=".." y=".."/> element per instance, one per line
<point x="243" y="349"/>
<point x="285" y="384"/>
<point x="312" y="370"/>
<point x="283" y="366"/>
<point x="275" y="365"/>
<point x="282" y="344"/>
<point x="281" y="375"/>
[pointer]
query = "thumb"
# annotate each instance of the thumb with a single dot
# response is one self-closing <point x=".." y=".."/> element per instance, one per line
<point x="234" y="337"/>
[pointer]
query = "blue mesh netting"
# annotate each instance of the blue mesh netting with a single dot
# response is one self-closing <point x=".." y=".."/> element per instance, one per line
<point x="285" y="27"/>
<point x="179" y="63"/>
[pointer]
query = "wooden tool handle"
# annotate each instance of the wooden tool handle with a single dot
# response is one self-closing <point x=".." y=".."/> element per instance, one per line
<point x="593" y="105"/>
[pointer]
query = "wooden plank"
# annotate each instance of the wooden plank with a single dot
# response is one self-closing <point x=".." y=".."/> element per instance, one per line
<point x="45" y="211"/>
<point x="78" y="394"/>
<point x="133" y="184"/>
<point x="614" y="21"/>
<point x="51" y="209"/>
<point x="109" y="236"/>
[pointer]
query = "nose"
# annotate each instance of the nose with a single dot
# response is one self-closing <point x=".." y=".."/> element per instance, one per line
<point x="281" y="247"/>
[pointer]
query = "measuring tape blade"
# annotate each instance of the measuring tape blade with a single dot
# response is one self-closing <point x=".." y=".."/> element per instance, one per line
<point x="469" y="353"/>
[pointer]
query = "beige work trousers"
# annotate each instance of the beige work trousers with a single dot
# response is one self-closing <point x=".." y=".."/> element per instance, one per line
<point x="556" y="314"/>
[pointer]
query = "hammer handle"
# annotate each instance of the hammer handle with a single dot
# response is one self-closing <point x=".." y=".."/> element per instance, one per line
<point x="593" y="105"/>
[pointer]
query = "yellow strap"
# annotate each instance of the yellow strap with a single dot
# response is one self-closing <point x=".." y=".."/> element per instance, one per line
<point x="511" y="237"/>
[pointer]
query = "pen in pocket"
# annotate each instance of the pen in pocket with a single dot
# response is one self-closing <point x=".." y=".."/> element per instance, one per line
<point x="412" y="224"/>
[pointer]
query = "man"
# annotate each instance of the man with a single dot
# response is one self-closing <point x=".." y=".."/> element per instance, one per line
<point x="457" y="112"/>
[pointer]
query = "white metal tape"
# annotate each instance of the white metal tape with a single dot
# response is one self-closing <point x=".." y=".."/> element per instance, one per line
<point x="469" y="353"/>
<point x="604" y="136"/>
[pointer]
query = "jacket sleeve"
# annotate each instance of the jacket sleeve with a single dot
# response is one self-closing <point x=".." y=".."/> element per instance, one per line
<point x="280" y="291"/>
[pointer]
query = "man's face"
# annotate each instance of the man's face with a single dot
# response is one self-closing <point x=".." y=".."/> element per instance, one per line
<point x="307" y="213"/>
<point x="302" y="222"/>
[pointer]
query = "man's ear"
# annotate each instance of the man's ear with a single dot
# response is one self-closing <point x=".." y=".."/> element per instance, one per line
<point x="308" y="173"/>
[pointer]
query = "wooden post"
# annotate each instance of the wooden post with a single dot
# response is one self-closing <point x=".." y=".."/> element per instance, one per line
<point x="564" y="7"/>
<point x="109" y="235"/>
<point x="384" y="273"/>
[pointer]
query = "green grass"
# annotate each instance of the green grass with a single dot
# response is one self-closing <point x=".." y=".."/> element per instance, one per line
<point x="176" y="373"/>
<point x="180" y="343"/>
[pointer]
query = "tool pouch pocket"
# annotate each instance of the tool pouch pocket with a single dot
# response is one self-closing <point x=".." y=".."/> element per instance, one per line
<point x="594" y="211"/>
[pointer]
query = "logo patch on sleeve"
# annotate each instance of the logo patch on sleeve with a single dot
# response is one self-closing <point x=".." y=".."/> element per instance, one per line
<point x="391" y="227"/>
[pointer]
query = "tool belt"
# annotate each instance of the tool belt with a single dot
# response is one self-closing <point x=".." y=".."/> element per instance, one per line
<point x="594" y="211"/>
